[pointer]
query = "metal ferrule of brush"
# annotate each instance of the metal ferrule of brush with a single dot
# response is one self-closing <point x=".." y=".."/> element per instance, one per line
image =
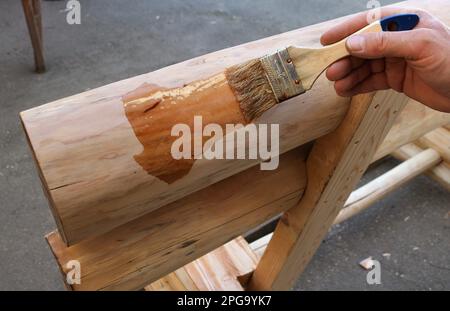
<point x="282" y="76"/>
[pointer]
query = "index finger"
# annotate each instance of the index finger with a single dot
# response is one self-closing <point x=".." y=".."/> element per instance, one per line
<point x="360" y="20"/>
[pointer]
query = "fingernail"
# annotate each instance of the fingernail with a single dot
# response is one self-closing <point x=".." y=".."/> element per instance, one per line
<point x="355" y="43"/>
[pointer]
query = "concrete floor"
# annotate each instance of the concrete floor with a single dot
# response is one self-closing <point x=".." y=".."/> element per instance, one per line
<point x="119" y="39"/>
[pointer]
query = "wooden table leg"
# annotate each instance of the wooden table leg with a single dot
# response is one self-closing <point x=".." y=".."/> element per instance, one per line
<point x="32" y="11"/>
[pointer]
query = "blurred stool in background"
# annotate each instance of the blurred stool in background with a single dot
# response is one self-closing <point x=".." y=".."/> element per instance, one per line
<point x="32" y="11"/>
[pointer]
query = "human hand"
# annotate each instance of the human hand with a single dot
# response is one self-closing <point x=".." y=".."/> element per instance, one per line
<point x="415" y="62"/>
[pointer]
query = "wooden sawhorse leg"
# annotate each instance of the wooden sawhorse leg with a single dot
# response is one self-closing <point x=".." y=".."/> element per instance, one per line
<point x="334" y="166"/>
<point x="32" y="11"/>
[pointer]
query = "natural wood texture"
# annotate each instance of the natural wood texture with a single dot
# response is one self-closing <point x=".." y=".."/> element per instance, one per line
<point x="32" y="12"/>
<point x="440" y="173"/>
<point x="285" y="189"/>
<point x="439" y="140"/>
<point x="379" y="187"/>
<point x="415" y="121"/>
<point x="310" y="63"/>
<point x="91" y="167"/>
<point x="334" y="166"/>
<point x="217" y="270"/>
<point x="178" y="280"/>
<point x="144" y="250"/>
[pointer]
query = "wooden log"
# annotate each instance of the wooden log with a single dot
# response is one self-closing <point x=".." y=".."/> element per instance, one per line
<point x="440" y="173"/>
<point x="144" y="250"/>
<point x="99" y="173"/>
<point x="334" y="166"/>
<point x="285" y="189"/>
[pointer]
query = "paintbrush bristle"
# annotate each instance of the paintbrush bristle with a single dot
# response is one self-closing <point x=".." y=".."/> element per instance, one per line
<point x="252" y="88"/>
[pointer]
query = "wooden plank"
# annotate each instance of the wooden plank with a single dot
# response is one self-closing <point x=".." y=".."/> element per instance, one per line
<point x="440" y="173"/>
<point x="178" y="280"/>
<point x="95" y="180"/>
<point x="217" y="270"/>
<point x="142" y="251"/>
<point x="334" y="166"/>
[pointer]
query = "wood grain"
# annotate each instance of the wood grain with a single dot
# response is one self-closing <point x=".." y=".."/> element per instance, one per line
<point x="108" y="250"/>
<point x="381" y="186"/>
<point x="440" y="173"/>
<point x="439" y="140"/>
<point x="334" y="166"/>
<point x="96" y="169"/>
<point x="217" y="270"/>
<point x="144" y="250"/>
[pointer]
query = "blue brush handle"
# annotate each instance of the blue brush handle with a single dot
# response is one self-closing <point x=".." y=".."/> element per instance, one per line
<point x="399" y="22"/>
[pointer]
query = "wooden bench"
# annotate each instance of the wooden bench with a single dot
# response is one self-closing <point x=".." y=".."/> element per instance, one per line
<point x="192" y="239"/>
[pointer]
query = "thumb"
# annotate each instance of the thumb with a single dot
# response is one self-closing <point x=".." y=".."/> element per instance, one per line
<point x="402" y="44"/>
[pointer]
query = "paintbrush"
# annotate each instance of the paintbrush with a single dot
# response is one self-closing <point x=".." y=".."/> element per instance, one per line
<point x="260" y="84"/>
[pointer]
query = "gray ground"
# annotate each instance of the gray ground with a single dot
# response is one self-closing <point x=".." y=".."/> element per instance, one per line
<point x="120" y="39"/>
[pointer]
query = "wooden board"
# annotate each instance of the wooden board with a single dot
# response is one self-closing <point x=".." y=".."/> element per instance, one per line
<point x="89" y="164"/>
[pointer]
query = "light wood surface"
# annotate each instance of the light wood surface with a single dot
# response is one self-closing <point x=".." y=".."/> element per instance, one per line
<point x="334" y="166"/>
<point x="217" y="270"/>
<point x="379" y="187"/>
<point x="440" y="173"/>
<point x="99" y="172"/>
<point x="439" y="140"/>
<point x="144" y="250"/>
<point x="415" y="121"/>
<point x="124" y="266"/>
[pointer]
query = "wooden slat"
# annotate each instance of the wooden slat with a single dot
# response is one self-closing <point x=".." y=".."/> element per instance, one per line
<point x="93" y="179"/>
<point x="179" y="280"/>
<point x="217" y="270"/>
<point x="334" y="166"/>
